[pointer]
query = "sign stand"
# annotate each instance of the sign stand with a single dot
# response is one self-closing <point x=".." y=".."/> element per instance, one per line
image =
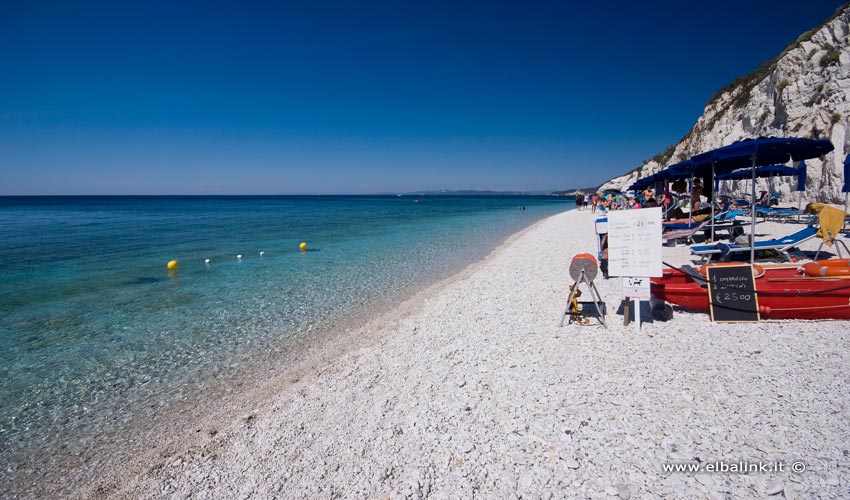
<point x="572" y="301"/>
<point x="637" y="290"/>
<point x="637" y="315"/>
<point x="634" y="252"/>
<point x="626" y="318"/>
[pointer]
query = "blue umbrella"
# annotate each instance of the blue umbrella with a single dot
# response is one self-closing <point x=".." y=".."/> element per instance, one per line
<point x="764" y="171"/>
<point x="752" y="153"/>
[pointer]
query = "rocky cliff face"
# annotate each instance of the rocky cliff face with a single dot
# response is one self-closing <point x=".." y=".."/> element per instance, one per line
<point x="805" y="92"/>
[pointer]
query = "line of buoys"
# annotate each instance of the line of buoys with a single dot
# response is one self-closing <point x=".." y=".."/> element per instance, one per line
<point x="174" y="264"/>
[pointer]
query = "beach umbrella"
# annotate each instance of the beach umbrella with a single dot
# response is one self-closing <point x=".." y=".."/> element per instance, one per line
<point x="752" y="153"/>
<point x="692" y="169"/>
<point x="763" y="171"/>
<point x="767" y="171"/>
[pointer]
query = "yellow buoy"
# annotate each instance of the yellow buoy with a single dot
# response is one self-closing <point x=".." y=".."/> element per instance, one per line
<point x="303" y="246"/>
<point x="172" y="265"/>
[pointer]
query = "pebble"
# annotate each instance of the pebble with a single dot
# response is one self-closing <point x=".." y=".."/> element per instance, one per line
<point x="767" y="449"/>
<point x="573" y="463"/>
<point x="773" y="487"/>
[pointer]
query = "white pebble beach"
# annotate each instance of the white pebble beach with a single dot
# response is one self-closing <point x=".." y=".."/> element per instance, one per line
<point x="471" y="389"/>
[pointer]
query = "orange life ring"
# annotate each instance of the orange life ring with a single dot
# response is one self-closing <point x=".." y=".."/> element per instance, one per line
<point x="834" y="262"/>
<point x="758" y="271"/>
<point x="836" y="267"/>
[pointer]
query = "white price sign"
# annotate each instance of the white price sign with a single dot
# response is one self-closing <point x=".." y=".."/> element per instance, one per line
<point x="634" y="242"/>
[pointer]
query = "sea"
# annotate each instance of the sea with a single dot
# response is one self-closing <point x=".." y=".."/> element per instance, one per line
<point x="97" y="335"/>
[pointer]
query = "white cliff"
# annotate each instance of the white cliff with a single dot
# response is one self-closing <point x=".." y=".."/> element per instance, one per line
<point x="805" y="92"/>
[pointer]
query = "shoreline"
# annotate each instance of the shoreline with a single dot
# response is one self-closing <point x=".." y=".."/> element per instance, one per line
<point x="306" y="357"/>
<point x="470" y="387"/>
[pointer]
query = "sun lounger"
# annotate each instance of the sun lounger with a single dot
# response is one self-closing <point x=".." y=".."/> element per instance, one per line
<point x="724" y="221"/>
<point x="729" y="215"/>
<point x="781" y="245"/>
<point x="684" y="234"/>
<point x="777" y="213"/>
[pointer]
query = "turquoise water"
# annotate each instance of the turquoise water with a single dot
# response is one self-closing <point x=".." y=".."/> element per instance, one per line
<point x="95" y="332"/>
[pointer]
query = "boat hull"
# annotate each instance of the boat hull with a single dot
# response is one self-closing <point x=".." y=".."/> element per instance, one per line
<point x="783" y="293"/>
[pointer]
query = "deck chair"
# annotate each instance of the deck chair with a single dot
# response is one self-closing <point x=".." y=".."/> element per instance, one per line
<point x="781" y="245"/>
<point x="686" y="234"/>
<point x="831" y="221"/>
<point x="777" y="213"/>
<point x="724" y="221"/>
<point x="729" y="215"/>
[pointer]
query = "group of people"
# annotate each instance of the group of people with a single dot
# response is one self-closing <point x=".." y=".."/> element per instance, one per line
<point x="618" y="201"/>
<point x="689" y="203"/>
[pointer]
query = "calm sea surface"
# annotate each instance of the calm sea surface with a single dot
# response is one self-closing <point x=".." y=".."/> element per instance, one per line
<point x="94" y="331"/>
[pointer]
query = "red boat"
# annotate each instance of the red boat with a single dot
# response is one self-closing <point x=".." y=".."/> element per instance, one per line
<point x="784" y="292"/>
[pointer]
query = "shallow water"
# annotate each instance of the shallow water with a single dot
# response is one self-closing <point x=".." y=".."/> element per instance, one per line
<point x="95" y="332"/>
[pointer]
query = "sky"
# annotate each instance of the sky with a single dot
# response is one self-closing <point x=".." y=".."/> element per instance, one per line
<point x="356" y="97"/>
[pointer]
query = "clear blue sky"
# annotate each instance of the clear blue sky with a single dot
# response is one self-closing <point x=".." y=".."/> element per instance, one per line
<point x="360" y="96"/>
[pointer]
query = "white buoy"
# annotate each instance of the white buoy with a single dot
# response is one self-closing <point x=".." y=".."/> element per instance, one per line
<point x="262" y="254"/>
<point x="239" y="257"/>
<point x="207" y="261"/>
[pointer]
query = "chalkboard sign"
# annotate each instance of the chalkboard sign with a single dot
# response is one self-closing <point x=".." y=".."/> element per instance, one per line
<point x="732" y="293"/>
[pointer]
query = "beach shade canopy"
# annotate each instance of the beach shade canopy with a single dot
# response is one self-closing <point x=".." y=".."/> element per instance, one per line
<point x="846" y="187"/>
<point x="752" y="153"/>
<point x="681" y="170"/>
<point x="757" y="152"/>
<point x="764" y="171"/>
<point x="645" y="182"/>
<point x="650" y="180"/>
<point x="641" y="183"/>
<point x="673" y="172"/>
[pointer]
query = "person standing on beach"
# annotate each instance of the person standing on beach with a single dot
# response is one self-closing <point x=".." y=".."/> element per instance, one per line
<point x="697" y="193"/>
<point x="579" y="200"/>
